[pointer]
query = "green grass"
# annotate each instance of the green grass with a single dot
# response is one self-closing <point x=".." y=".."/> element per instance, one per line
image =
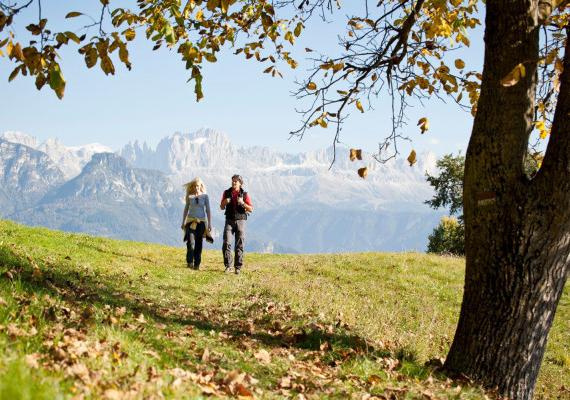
<point x="92" y="317"/>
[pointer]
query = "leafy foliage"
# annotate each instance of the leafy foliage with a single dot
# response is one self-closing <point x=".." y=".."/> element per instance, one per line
<point x="195" y="29"/>
<point x="448" y="184"/>
<point x="448" y="237"/>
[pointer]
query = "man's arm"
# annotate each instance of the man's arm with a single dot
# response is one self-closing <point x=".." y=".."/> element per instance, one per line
<point x="224" y="201"/>
<point x="247" y="204"/>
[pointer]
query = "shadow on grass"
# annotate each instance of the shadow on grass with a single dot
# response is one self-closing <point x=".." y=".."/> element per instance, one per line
<point x="277" y="329"/>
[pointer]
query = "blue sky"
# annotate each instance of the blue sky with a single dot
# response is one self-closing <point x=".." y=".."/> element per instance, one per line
<point x="154" y="100"/>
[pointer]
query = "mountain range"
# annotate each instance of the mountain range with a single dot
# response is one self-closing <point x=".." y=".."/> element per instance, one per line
<point x="302" y="204"/>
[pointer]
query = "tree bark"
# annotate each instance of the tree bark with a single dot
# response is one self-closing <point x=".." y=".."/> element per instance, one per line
<point x="517" y="230"/>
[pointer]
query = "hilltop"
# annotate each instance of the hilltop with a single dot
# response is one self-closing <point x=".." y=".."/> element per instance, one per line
<point x="88" y="317"/>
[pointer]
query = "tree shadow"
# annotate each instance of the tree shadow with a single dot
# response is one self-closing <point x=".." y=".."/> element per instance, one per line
<point x="262" y="322"/>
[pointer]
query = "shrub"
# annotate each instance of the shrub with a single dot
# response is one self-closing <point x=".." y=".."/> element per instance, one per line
<point x="448" y="237"/>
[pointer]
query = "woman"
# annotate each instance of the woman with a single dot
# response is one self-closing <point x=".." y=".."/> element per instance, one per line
<point x="196" y="211"/>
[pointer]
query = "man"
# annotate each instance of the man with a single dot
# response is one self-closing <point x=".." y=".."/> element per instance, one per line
<point x="237" y="204"/>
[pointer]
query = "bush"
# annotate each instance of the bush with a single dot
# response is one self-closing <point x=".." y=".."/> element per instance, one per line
<point x="448" y="237"/>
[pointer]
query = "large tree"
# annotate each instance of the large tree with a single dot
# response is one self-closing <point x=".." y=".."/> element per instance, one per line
<point x="517" y="228"/>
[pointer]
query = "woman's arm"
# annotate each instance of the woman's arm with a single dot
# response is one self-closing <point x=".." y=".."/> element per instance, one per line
<point x="184" y="213"/>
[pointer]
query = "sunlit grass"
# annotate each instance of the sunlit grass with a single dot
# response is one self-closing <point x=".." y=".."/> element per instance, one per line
<point x="333" y="326"/>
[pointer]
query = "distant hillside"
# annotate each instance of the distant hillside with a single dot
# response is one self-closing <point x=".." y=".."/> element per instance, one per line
<point x="89" y="317"/>
<point x="301" y="204"/>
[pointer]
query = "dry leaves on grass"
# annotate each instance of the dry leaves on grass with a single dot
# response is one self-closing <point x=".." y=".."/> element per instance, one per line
<point x="263" y="356"/>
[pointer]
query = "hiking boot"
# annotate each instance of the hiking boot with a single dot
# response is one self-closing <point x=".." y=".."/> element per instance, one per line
<point x="197" y="267"/>
<point x="237" y="271"/>
<point x="227" y="270"/>
<point x="190" y="265"/>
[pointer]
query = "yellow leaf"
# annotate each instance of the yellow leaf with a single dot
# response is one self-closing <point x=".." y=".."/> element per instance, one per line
<point x="129" y="34"/>
<point x="107" y="66"/>
<point x="459" y="64"/>
<point x="338" y="67"/>
<point x="17" y="52"/>
<point x="91" y="57"/>
<point x="14" y="74"/>
<point x="423" y="123"/>
<point x="322" y="122"/>
<point x="514" y="76"/>
<point x="359" y="106"/>
<point x="363" y="172"/>
<point x="412" y="158"/>
<point x="312" y="86"/>
<point x="298" y="29"/>
<point x="225" y="5"/>
<point x="355" y="154"/>
<point x="199" y="15"/>
<point x="73" y="14"/>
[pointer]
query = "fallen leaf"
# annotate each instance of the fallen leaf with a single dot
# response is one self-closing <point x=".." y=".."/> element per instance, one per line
<point x="14" y="331"/>
<point x="113" y="394"/>
<point x="363" y="172"/>
<point x="285" y="382"/>
<point x="151" y="353"/>
<point x="242" y="391"/>
<point x="263" y="356"/>
<point x="208" y="389"/>
<point x="234" y="376"/>
<point x="206" y="355"/>
<point x="37" y="273"/>
<point x="31" y="360"/>
<point x="79" y="370"/>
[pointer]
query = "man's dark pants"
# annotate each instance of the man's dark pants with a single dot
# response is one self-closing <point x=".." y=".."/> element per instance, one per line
<point x="231" y="229"/>
<point x="194" y="240"/>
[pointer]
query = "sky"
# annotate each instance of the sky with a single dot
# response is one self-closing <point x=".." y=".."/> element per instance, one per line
<point x="153" y="100"/>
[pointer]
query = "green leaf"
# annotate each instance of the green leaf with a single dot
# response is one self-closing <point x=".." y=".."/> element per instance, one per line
<point x="56" y="80"/>
<point x="198" y="87"/>
<point x="169" y="34"/>
<point x="298" y="29"/>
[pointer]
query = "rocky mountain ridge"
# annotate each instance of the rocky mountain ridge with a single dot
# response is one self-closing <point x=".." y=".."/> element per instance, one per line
<point x="300" y="204"/>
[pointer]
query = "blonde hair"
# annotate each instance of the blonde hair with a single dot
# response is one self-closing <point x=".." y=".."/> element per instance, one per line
<point x="194" y="185"/>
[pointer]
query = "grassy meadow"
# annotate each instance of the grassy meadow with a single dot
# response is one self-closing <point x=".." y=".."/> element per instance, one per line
<point x="83" y="317"/>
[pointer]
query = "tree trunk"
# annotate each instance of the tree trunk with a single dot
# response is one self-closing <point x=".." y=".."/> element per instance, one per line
<point x="517" y="230"/>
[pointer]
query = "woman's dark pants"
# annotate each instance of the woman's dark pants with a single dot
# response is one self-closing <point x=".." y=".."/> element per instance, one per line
<point x="194" y="239"/>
